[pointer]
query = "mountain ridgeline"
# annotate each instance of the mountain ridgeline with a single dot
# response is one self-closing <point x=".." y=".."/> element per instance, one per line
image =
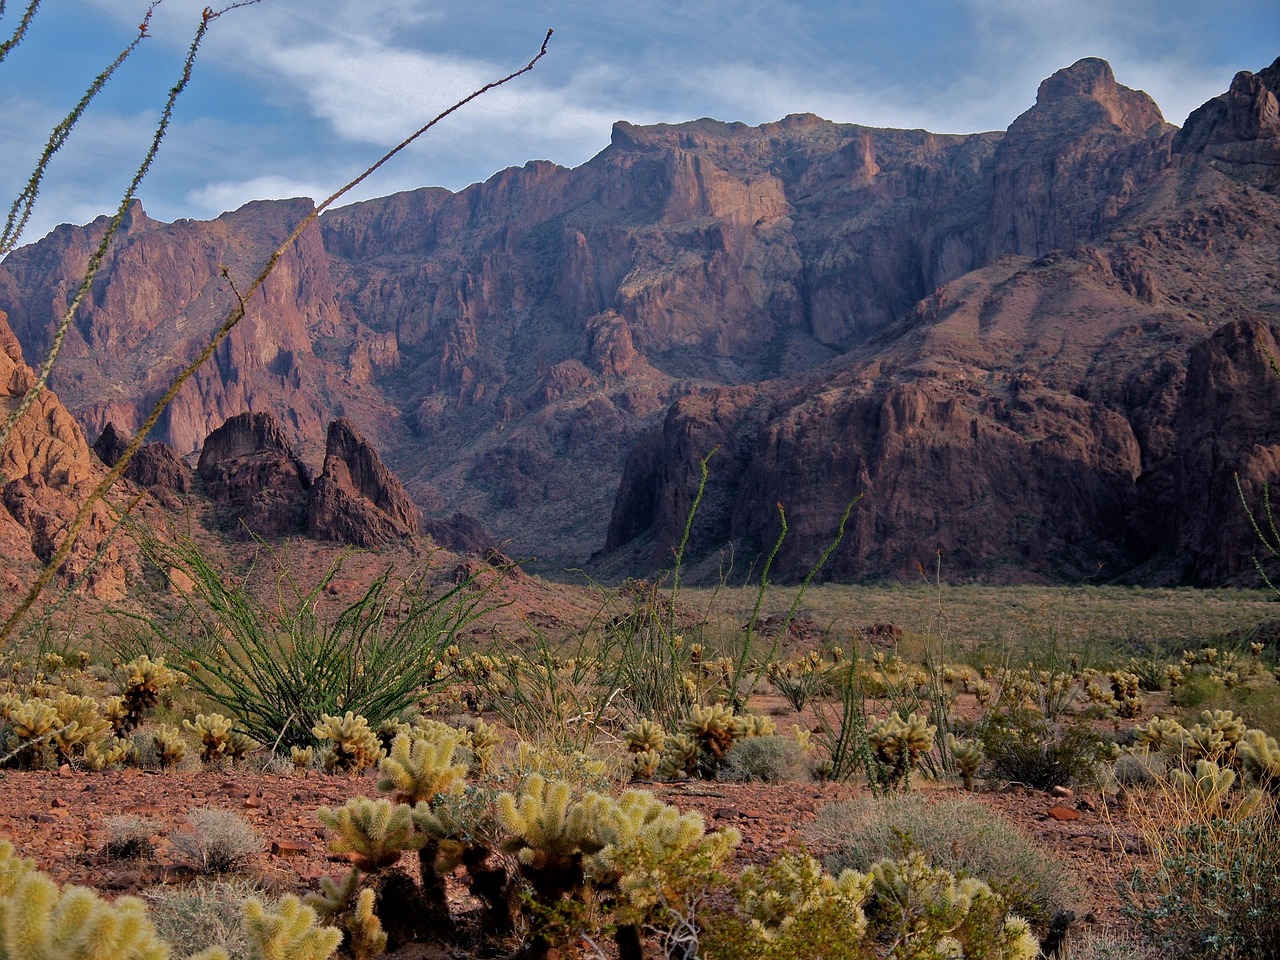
<point x="1042" y="354"/>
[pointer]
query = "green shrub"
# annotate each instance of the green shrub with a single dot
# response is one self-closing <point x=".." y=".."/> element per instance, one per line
<point x="1021" y="746"/>
<point x="959" y="835"/>
<point x="1213" y="891"/>
<point x="278" y="668"/>
<point x="771" y="759"/>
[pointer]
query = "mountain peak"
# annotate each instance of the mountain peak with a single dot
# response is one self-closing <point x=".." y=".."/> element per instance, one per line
<point x="1090" y="77"/>
<point x="1084" y="99"/>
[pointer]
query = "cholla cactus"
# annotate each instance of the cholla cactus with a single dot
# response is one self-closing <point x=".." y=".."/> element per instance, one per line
<point x="484" y="742"/>
<point x="1203" y="742"/>
<point x="900" y="744"/>
<point x="792" y="908"/>
<point x="931" y="913"/>
<point x="302" y="758"/>
<point x="968" y="755"/>
<point x="644" y="736"/>
<point x="659" y="862"/>
<point x="712" y="727"/>
<point x="117" y="713"/>
<point x="679" y="757"/>
<point x="355" y="745"/>
<point x="376" y="832"/>
<point x="645" y="764"/>
<point x="145" y="680"/>
<point x="217" y="738"/>
<point x="1160" y="734"/>
<point x="80" y="723"/>
<point x="345" y="906"/>
<point x="1231" y="727"/>
<point x="747" y="725"/>
<point x="550" y="831"/>
<point x="171" y="748"/>
<point x="40" y="922"/>
<point x="33" y="724"/>
<point x="1260" y="760"/>
<point x="292" y="932"/>
<point x="101" y="754"/>
<point x="1127" y="693"/>
<point x="418" y="768"/>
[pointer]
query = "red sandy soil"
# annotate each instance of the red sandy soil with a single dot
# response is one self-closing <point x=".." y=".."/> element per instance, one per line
<point x="59" y="819"/>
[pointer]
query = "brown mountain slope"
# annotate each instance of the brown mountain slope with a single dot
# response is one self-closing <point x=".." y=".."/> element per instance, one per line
<point x="988" y="334"/>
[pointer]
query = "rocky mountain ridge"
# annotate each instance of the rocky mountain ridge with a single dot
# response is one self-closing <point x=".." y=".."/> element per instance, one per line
<point x="1031" y="350"/>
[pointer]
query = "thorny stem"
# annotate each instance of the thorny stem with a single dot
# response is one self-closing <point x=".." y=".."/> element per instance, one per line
<point x="113" y="228"/>
<point x="20" y="212"/>
<point x="21" y="30"/>
<point x="236" y="315"/>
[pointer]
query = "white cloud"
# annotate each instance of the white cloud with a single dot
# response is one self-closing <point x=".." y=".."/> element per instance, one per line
<point x="216" y="198"/>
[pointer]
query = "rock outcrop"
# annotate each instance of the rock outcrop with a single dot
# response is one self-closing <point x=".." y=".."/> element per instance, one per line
<point x="1240" y="131"/>
<point x="356" y="499"/>
<point x="156" y="466"/>
<point x="258" y="485"/>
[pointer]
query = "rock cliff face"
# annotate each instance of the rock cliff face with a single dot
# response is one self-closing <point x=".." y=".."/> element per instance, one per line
<point x="995" y="337"/>
<point x="46" y="471"/>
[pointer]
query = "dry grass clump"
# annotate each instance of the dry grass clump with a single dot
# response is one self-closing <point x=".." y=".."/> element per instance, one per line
<point x="959" y="835"/>
<point x="129" y="838"/>
<point x="203" y="914"/>
<point x="218" y="841"/>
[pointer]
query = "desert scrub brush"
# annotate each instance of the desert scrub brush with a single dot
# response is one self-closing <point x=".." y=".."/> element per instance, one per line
<point x="376" y="832"/>
<point x="355" y="745"/>
<point x="217" y="840"/>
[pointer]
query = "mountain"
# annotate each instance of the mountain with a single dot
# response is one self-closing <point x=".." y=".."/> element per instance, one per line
<point x="1039" y="353"/>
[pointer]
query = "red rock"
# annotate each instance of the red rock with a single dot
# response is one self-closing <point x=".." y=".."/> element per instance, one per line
<point x="1063" y="813"/>
<point x="289" y="848"/>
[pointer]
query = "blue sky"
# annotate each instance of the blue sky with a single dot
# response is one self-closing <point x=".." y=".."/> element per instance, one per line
<point x="293" y="97"/>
